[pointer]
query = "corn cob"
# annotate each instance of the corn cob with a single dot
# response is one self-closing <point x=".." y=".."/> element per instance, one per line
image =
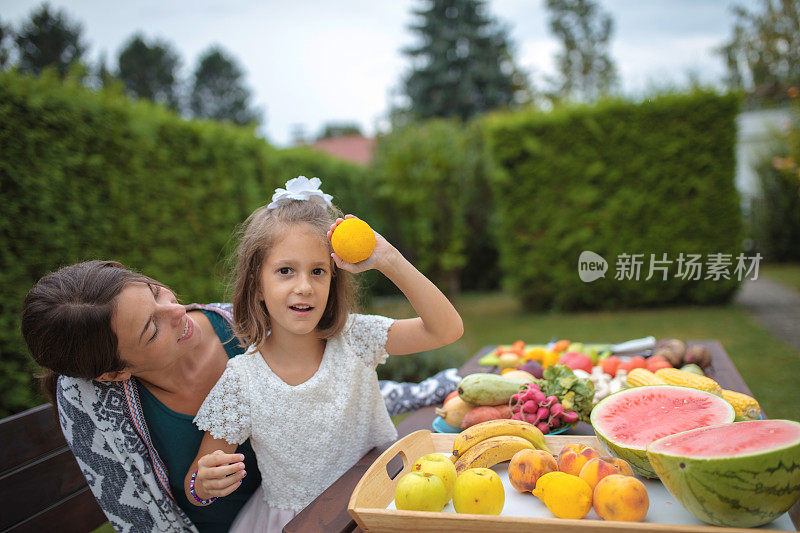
<point x="745" y="406"/>
<point x="673" y="376"/>
<point x="640" y="376"/>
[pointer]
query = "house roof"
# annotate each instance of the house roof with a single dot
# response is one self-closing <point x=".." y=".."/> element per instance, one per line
<point x="356" y="148"/>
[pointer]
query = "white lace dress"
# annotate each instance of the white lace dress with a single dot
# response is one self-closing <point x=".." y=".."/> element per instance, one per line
<point x="305" y="436"/>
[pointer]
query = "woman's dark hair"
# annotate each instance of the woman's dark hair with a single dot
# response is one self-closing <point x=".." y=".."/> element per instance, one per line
<point x="66" y="321"/>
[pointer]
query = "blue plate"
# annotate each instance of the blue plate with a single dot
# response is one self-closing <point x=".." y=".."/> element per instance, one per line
<point x="559" y="431"/>
<point x="439" y="426"/>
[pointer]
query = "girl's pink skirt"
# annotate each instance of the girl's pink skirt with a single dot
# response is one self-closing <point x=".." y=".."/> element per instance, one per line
<point x="257" y="517"/>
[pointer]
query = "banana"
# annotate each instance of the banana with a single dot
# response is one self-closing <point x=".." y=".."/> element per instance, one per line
<point x="491" y="451"/>
<point x="494" y="428"/>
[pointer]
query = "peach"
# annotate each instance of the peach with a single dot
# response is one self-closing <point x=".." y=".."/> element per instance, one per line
<point x="573" y="456"/>
<point x="620" y="498"/>
<point x="527" y="466"/>
<point x="596" y="469"/>
<point x="623" y="466"/>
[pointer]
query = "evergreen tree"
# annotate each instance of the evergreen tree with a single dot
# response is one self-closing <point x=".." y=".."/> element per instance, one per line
<point x="463" y="66"/>
<point x="6" y="35"/>
<point x="102" y="75"/>
<point x="586" y="71"/>
<point x="49" y="39"/>
<point x="150" y="71"/>
<point x="763" y="54"/>
<point x="218" y="91"/>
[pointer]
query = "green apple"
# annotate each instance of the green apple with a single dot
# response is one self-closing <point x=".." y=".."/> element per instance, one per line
<point x="576" y="347"/>
<point x="438" y="465"/>
<point x="479" y="491"/>
<point x="420" y="491"/>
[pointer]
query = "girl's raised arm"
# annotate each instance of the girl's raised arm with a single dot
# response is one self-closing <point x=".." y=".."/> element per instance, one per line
<point x="219" y="470"/>
<point x="438" y="323"/>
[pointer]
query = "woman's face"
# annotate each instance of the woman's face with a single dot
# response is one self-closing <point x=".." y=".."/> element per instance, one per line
<point x="152" y="328"/>
<point x="296" y="280"/>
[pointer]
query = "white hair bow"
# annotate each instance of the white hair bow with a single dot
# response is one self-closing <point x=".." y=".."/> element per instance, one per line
<point x="300" y="188"/>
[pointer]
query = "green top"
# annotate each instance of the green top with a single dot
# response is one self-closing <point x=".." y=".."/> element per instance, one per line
<point x="177" y="439"/>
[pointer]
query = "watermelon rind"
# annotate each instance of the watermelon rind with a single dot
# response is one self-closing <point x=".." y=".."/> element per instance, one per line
<point x="637" y="455"/>
<point x="741" y="491"/>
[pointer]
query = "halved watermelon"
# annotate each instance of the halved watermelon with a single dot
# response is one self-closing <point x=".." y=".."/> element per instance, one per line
<point x="627" y="421"/>
<point x="739" y="475"/>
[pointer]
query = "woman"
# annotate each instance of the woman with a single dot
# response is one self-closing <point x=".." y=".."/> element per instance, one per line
<point x="128" y="367"/>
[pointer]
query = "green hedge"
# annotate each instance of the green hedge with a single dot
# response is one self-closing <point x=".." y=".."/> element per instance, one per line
<point x="90" y="174"/>
<point x="653" y="177"/>
<point x="435" y="198"/>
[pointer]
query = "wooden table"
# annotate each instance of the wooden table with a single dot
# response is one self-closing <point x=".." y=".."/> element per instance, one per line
<point x="328" y="512"/>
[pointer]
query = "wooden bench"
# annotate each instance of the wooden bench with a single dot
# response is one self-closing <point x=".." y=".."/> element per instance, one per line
<point x="41" y="486"/>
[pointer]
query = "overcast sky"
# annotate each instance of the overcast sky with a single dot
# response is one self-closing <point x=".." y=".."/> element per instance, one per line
<point x="309" y="62"/>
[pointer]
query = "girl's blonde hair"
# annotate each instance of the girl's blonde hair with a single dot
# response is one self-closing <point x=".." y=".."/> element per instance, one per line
<point x="257" y="236"/>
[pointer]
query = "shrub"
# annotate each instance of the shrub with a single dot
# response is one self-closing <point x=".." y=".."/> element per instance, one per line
<point x="435" y="198"/>
<point x="653" y="177"/>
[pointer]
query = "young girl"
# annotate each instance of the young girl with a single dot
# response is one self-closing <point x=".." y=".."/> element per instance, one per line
<point x="305" y="392"/>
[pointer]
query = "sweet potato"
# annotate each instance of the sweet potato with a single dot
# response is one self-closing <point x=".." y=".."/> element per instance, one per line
<point x="484" y="413"/>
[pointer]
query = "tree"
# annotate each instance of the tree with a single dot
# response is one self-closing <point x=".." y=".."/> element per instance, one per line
<point x="149" y="71"/>
<point x="463" y="66"/>
<point x="763" y="54"/>
<point x="339" y="129"/>
<point x="6" y="34"/>
<point x="49" y="39"/>
<point x="586" y="71"/>
<point x="103" y="77"/>
<point x="218" y="92"/>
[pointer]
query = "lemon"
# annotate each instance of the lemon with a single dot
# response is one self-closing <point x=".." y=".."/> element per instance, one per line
<point x="353" y="240"/>
<point x="566" y="496"/>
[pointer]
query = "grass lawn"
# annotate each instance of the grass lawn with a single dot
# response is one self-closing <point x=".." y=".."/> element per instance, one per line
<point x="786" y="273"/>
<point x="768" y="365"/>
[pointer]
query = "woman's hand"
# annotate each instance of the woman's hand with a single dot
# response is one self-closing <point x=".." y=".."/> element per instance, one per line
<point x="381" y="257"/>
<point x="218" y="474"/>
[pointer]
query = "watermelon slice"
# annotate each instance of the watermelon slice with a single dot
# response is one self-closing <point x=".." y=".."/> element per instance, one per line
<point x="740" y="475"/>
<point x="627" y="421"/>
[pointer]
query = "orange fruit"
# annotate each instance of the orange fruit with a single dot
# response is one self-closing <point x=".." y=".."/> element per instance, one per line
<point x="353" y="240"/>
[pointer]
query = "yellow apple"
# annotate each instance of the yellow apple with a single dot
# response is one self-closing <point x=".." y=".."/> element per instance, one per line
<point x="420" y="491"/>
<point x="479" y="491"/>
<point x="438" y="465"/>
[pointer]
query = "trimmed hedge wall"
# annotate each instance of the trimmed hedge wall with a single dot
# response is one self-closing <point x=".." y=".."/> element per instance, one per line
<point x="89" y="175"/>
<point x="618" y="178"/>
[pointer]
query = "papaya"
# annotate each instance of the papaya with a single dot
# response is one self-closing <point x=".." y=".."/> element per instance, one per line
<point x="488" y="389"/>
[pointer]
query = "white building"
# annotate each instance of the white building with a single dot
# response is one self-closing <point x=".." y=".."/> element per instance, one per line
<point x="756" y="135"/>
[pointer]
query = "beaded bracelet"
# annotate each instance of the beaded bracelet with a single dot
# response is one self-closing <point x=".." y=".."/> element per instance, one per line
<point x="194" y="494"/>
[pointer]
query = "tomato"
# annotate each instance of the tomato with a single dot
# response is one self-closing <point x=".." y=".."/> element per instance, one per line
<point x="656" y="361"/>
<point x="639" y="362"/>
<point x="610" y="365"/>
